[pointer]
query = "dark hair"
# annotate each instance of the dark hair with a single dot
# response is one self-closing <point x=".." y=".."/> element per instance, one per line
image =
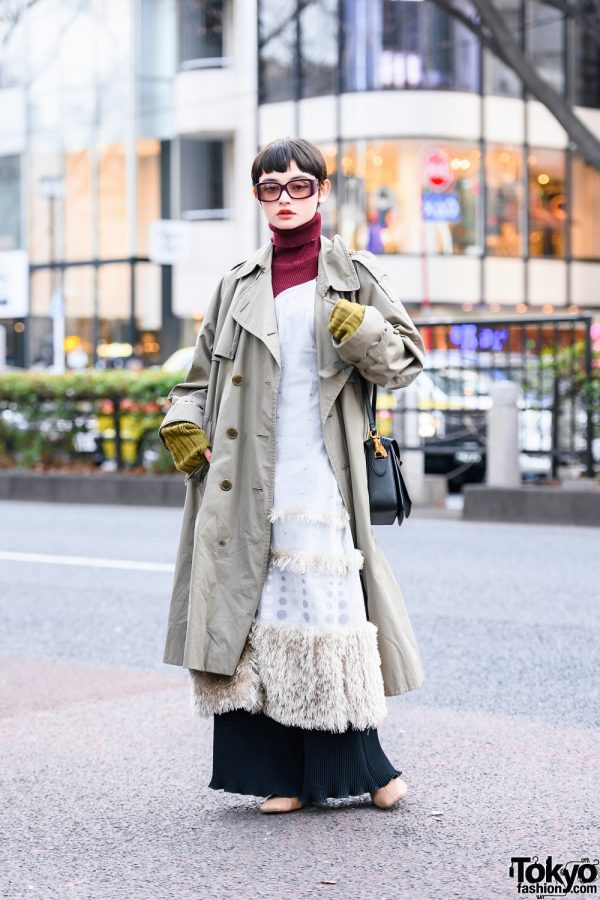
<point x="277" y="156"/>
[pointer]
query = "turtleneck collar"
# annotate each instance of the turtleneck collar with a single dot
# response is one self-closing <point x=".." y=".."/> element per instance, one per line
<point x="295" y="237"/>
<point x="295" y="254"/>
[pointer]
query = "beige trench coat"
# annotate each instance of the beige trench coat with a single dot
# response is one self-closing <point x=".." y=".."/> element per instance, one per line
<point x="231" y="392"/>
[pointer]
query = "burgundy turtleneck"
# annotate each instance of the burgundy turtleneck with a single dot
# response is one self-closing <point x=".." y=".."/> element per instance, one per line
<point x="295" y="254"/>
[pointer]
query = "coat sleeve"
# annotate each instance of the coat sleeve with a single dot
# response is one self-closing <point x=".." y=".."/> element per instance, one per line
<point x="188" y="398"/>
<point x="386" y="347"/>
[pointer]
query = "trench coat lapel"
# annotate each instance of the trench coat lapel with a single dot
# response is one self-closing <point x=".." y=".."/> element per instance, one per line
<point x="254" y="307"/>
<point x="336" y="273"/>
<point x="254" y="310"/>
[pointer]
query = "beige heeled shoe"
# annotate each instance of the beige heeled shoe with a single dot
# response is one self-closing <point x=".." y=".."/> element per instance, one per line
<point x="281" y="804"/>
<point x="388" y="795"/>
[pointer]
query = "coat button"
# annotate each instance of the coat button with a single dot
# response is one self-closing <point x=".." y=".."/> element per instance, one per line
<point x="225" y="484"/>
<point x="237" y="379"/>
<point x="221" y="543"/>
<point x="232" y="433"/>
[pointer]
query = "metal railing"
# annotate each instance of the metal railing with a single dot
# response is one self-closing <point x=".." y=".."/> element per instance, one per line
<point x="550" y="358"/>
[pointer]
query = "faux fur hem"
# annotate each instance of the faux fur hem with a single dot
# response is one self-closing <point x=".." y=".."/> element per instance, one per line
<point x="297" y="561"/>
<point x="320" y="678"/>
<point x="325" y="679"/>
<point x="304" y="515"/>
<point x="212" y="693"/>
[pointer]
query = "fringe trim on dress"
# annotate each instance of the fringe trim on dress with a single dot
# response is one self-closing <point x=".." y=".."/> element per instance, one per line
<point x="324" y="679"/>
<point x="211" y="693"/>
<point x="296" y="561"/>
<point x="304" y="515"/>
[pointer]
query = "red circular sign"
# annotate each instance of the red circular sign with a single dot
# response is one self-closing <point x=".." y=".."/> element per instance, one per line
<point x="437" y="170"/>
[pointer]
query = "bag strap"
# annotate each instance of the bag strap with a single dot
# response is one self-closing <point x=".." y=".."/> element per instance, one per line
<point x="371" y="405"/>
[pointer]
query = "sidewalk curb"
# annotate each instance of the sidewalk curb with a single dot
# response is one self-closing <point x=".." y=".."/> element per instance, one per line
<point x="529" y="505"/>
<point x="126" y="490"/>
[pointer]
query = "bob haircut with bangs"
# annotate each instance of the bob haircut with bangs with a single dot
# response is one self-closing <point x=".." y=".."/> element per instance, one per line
<point x="277" y="156"/>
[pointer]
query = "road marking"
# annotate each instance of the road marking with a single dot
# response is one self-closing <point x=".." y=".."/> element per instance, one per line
<point x="91" y="561"/>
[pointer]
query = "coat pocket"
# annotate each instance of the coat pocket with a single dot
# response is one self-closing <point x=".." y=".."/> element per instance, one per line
<point x="199" y="472"/>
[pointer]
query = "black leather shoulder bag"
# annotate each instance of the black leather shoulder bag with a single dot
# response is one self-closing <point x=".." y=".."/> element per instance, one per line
<point x="388" y="495"/>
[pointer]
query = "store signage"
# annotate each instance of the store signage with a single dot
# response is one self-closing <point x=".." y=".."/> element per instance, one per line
<point x="14" y="284"/>
<point x="437" y="169"/>
<point x="441" y="208"/>
<point x="474" y="337"/>
<point x="170" y="242"/>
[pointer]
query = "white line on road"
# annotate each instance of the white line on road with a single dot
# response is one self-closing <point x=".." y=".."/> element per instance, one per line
<point x="92" y="561"/>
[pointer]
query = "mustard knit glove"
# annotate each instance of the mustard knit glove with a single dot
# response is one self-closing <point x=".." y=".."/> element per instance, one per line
<point x="186" y="443"/>
<point x="345" y="318"/>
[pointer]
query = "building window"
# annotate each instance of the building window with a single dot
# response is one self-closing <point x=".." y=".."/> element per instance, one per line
<point x="500" y="78"/>
<point x="203" y="178"/>
<point x="392" y="44"/>
<point x="112" y="202"/>
<point x="547" y="214"/>
<point x="78" y="206"/>
<point x="319" y="26"/>
<point x="277" y="38"/>
<point x="201" y="25"/>
<point x="386" y="196"/>
<point x="545" y="42"/>
<point x="585" y="233"/>
<point x="504" y="201"/>
<point x="586" y="62"/>
<point x="10" y="203"/>
<point x="148" y="190"/>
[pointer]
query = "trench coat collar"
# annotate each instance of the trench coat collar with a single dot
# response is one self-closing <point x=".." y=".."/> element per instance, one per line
<point x="336" y="269"/>
<point x="254" y="310"/>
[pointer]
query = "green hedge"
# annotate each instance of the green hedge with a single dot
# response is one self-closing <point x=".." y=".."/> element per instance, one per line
<point x="146" y="385"/>
<point x="52" y="409"/>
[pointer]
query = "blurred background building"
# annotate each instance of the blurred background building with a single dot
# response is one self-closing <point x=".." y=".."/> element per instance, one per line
<point x="117" y="115"/>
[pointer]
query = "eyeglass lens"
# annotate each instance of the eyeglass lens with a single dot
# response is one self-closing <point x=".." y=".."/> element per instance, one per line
<point x="298" y="189"/>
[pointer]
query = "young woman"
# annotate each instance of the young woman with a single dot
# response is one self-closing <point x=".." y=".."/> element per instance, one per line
<point x="284" y="608"/>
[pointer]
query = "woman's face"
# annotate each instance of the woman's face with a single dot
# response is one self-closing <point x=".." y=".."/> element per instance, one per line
<point x="289" y="212"/>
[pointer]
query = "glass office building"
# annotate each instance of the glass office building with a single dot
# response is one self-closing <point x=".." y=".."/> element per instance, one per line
<point x="115" y="113"/>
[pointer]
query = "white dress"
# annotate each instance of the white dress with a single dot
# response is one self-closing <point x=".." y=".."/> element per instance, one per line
<point x="311" y="658"/>
<point x="317" y="654"/>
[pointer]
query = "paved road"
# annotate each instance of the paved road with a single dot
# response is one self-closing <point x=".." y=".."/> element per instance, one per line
<point x="103" y="770"/>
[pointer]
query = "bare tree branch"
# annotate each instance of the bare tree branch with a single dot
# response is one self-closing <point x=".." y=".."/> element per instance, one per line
<point x="494" y="34"/>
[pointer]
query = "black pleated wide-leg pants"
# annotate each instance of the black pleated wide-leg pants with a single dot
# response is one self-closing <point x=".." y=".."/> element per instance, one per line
<point x="254" y="754"/>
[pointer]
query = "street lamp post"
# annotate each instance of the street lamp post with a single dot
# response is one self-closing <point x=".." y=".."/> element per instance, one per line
<point x="53" y="188"/>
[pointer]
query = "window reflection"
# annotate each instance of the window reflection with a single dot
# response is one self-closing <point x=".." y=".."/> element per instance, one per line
<point x="401" y="44"/>
<point x="386" y="44"/>
<point x="547" y="214"/>
<point x="586" y="62"/>
<point x="545" y="39"/>
<point x="277" y="50"/>
<point x="319" y="47"/>
<point x="504" y="197"/>
<point x="499" y="78"/>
